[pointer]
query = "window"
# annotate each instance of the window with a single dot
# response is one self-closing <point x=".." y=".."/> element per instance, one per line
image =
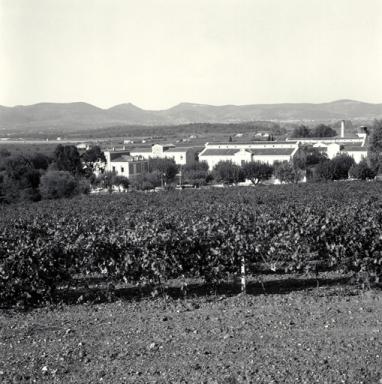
<point x="131" y="169"/>
<point x="113" y="169"/>
<point x="122" y="170"/>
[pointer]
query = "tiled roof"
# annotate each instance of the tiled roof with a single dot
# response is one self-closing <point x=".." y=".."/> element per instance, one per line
<point x="141" y="150"/>
<point x="336" y="138"/>
<point x="252" y="142"/>
<point x="355" y="148"/>
<point x="122" y="159"/>
<point x="219" y="152"/>
<point x="183" y="149"/>
<point x="254" y="151"/>
<point x="272" y="151"/>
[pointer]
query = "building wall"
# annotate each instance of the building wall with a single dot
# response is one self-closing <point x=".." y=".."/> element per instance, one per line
<point x="243" y="156"/>
<point x="129" y="169"/>
<point x="271" y="159"/>
<point x="180" y="158"/>
<point x="254" y="145"/>
<point x="357" y="155"/>
<point x="339" y="140"/>
<point x="213" y="160"/>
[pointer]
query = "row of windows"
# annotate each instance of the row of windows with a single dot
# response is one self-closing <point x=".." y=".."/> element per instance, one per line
<point x="133" y="168"/>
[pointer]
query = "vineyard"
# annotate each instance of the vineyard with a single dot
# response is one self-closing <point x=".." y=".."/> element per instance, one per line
<point x="146" y="239"/>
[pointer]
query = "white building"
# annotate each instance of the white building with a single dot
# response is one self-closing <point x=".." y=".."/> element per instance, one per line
<point x="181" y="155"/>
<point x="124" y="164"/>
<point x="238" y="153"/>
<point x="358" y="153"/>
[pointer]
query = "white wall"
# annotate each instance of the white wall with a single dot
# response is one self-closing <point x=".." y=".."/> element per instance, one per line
<point x="357" y="155"/>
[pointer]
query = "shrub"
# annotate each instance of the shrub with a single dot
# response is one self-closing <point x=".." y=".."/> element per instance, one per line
<point x="228" y="173"/>
<point x="257" y="171"/>
<point x="57" y="184"/>
<point x="361" y="171"/>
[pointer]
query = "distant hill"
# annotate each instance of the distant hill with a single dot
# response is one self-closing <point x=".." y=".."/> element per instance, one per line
<point x="74" y="116"/>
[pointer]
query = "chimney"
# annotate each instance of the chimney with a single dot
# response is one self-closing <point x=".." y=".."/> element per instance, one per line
<point x="342" y="128"/>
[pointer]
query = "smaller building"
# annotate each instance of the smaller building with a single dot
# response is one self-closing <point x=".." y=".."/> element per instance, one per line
<point x="124" y="164"/>
<point x="181" y="155"/>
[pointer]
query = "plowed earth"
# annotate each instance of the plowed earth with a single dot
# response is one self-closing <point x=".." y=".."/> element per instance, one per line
<point x="318" y="335"/>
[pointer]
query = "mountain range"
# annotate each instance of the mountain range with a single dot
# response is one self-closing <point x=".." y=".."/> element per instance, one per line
<point x="79" y="115"/>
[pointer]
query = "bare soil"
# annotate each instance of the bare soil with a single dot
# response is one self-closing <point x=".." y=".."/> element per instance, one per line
<point x="330" y="334"/>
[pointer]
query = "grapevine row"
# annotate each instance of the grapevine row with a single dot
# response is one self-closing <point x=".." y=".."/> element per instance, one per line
<point x="147" y="239"/>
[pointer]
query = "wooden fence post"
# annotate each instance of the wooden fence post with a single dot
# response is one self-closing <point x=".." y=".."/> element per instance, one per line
<point x="243" y="277"/>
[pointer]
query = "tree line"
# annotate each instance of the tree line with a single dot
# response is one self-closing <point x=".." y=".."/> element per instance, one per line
<point x="36" y="176"/>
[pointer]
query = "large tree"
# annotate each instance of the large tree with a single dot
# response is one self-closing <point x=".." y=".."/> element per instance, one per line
<point x="58" y="184"/>
<point x="301" y="131"/>
<point x="166" y="167"/>
<point x="334" y="169"/>
<point x="228" y="173"/>
<point x="375" y="147"/>
<point x="287" y="172"/>
<point x="196" y="173"/>
<point x="93" y="159"/>
<point x="20" y="179"/>
<point x="257" y="171"/>
<point x="67" y="158"/>
<point x="341" y="165"/>
<point x="323" y="130"/>
<point x="361" y="171"/>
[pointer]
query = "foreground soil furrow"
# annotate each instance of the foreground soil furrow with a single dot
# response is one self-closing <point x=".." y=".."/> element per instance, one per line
<point x="321" y="335"/>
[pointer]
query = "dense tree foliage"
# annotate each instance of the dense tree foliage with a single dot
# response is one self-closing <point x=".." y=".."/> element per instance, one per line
<point x="320" y="130"/>
<point x="196" y="173"/>
<point x="21" y="174"/>
<point x="146" y="181"/>
<point x="20" y="179"/>
<point x="287" y="172"/>
<point x="228" y="173"/>
<point x="93" y="160"/>
<point x="301" y="131"/>
<point x="167" y="168"/>
<point x="67" y="158"/>
<point x="361" y="171"/>
<point x="323" y="130"/>
<point x="375" y="147"/>
<point x="334" y="169"/>
<point x="58" y="184"/>
<point x="257" y="171"/>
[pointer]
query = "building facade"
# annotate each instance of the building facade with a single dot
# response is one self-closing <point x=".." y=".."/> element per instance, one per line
<point x="124" y="164"/>
<point x="181" y="155"/>
<point x="239" y="153"/>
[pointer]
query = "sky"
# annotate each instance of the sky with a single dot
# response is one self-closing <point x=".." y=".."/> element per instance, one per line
<point x="158" y="53"/>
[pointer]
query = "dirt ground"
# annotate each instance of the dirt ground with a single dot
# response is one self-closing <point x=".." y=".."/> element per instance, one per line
<point x="330" y="334"/>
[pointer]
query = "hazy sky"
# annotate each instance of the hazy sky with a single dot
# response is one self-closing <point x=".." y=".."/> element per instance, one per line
<point x="157" y="53"/>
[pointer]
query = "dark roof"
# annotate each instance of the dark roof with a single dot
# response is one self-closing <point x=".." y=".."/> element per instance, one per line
<point x="220" y="152"/>
<point x="252" y="142"/>
<point x="254" y="151"/>
<point x="142" y="149"/>
<point x="178" y="149"/>
<point x="123" y="158"/>
<point x="333" y="138"/>
<point x="272" y="151"/>
<point x="355" y="148"/>
<point x="116" y="154"/>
